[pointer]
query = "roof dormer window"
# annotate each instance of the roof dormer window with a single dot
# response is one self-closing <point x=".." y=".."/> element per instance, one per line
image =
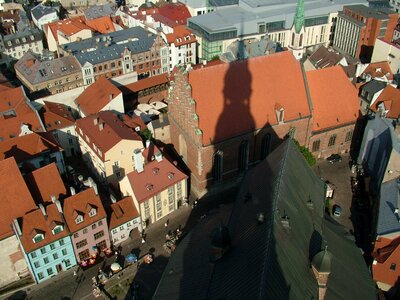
<point x="149" y="186"/>
<point x="79" y="219"/>
<point x="92" y="212"/>
<point x="57" y="229"/>
<point x="38" y="237"/>
<point x="170" y="175"/>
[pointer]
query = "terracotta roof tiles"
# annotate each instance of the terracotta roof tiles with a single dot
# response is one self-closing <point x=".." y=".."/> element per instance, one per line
<point x="15" y="200"/>
<point x="379" y="69"/>
<point x="156" y="177"/>
<point x="335" y="102"/>
<point x="122" y="211"/>
<point x="105" y="130"/>
<point x="56" y="116"/>
<point x="134" y="122"/>
<point x="176" y="13"/>
<point x="181" y="35"/>
<point x="95" y="97"/>
<point x="44" y="183"/>
<point x="103" y="24"/>
<point x="390" y="97"/>
<point x="386" y="253"/>
<point x="77" y="204"/>
<point x="26" y="147"/>
<point x="247" y="90"/>
<point x="36" y="223"/>
<point x="147" y="83"/>
<point x="67" y="26"/>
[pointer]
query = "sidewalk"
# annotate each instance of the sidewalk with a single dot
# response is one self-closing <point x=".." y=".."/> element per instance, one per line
<point x="67" y="286"/>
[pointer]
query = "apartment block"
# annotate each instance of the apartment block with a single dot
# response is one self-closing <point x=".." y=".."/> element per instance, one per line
<point x="118" y="53"/>
<point x="358" y="27"/>
<point x="54" y="76"/>
<point x="107" y="146"/>
<point x="17" y="44"/>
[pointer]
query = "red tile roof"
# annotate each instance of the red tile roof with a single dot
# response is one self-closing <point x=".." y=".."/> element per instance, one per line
<point x="147" y="83"/>
<point x="174" y="14"/>
<point x="103" y="24"/>
<point x="35" y="222"/>
<point x="181" y="32"/>
<point x="391" y="99"/>
<point x="67" y="26"/>
<point x="113" y="131"/>
<point x="134" y="122"/>
<point x="379" y="69"/>
<point x="15" y="200"/>
<point x="56" y="116"/>
<point x="156" y="177"/>
<point x="26" y="147"/>
<point x="44" y="183"/>
<point x="81" y="203"/>
<point x="122" y="212"/>
<point x="18" y="112"/>
<point x="232" y="99"/>
<point x="11" y="127"/>
<point x="335" y="102"/>
<point x="386" y="252"/>
<point x="97" y="96"/>
<point x="13" y="99"/>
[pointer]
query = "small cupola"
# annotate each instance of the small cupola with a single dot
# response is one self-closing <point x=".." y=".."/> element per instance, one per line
<point x="220" y="242"/>
<point x="321" y="267"/>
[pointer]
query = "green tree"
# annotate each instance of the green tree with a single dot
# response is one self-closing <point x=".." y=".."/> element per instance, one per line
<point x="306" y="153"/>
<point x="146" y="134"/>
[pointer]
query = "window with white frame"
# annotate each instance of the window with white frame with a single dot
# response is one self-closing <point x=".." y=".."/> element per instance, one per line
<point x="78" y="219"/>
<point x="179" y="190"/>
<point x="92" y="212"/>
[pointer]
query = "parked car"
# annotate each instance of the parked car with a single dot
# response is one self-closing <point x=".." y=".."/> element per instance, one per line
<point x="336" y="210"/>
<point x="334" y="158"/>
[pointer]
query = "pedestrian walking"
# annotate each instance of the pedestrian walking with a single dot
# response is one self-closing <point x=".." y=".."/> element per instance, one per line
<point x="166" y="223"/>
<point x="143" y="240"/>
<point x="75" y="273"/>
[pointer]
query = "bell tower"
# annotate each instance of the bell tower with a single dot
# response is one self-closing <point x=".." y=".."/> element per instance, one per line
<point x="297" y="32"/>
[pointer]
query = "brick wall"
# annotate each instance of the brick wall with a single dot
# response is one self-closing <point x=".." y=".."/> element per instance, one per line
<point x="198" y="157"/>
<point x="341" y="144"/>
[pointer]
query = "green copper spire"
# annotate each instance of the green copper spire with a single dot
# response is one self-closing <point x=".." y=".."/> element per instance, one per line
<point x="299" y="16"/>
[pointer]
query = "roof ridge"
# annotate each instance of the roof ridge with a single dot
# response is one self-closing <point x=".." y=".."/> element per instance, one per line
<point x="270" y="227"/>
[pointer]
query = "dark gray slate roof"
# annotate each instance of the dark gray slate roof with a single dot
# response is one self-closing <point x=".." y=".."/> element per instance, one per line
<point x="271" y="260"/>
<point x="373" y="86"/>
<point x="388" y="221"/>
<point x="324" y="57"/>
<point x="30" y="35"/>
<point x="37" y="71"/>
<point x="41" y="10"/>
<point x="97" y="11"/>
<point x="105" y="47"/>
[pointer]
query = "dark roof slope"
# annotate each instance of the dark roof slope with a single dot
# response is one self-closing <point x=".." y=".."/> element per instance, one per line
<point x="388" y="220"/>
<point x="269" y="260"/>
